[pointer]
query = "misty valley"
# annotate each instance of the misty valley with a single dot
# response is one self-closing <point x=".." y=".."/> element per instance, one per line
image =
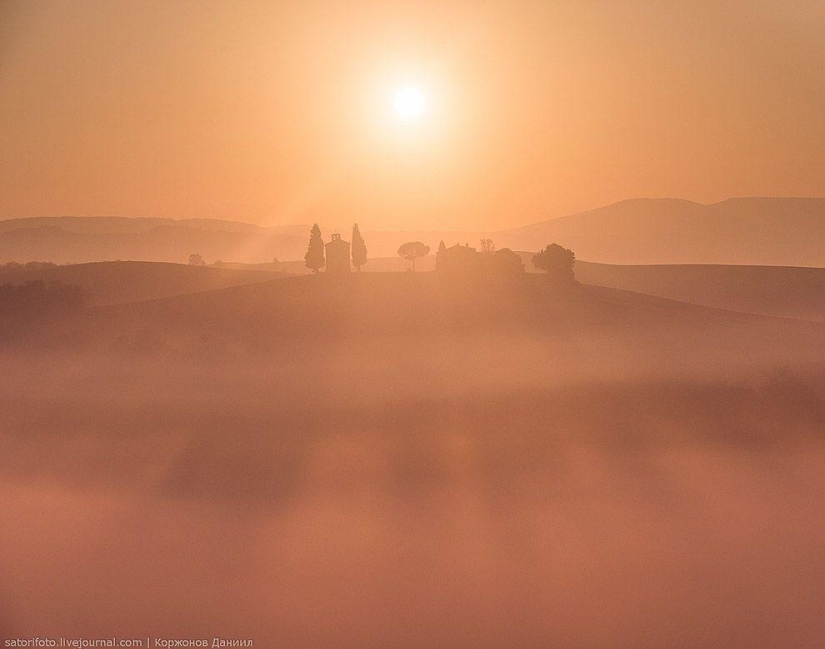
<point x="404" y="459"/>
<point x="383" y="324"/>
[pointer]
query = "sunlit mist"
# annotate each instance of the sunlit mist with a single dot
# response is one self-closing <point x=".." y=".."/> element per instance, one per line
<point x="388" y="324"/>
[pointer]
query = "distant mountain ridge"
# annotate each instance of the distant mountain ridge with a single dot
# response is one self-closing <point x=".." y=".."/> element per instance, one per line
<point x="748" y="231"/>
<point x="116" y="282"/>
<point x="67" y="240"/>
<point x="754" y="231"/>
<point x="126" y="224"/>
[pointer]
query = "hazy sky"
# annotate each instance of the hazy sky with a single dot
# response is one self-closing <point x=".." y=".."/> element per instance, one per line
<point x="281" y="112"/>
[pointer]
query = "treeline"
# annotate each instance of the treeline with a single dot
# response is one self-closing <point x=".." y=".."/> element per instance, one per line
<point x="38" y="298"/>
<point x="31" y="265"/>
<point x="463" y="261"/>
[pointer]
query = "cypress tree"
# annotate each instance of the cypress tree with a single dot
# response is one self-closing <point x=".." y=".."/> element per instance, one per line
<point x="359" y="249"/>
<point x="315" y="252"/>
<point x="438" y="256"/>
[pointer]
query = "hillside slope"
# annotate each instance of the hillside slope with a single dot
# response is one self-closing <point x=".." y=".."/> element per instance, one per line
<point x="69" y="240"/>
<point x="755" y="231"/>
<point x="769" y="290"/>
<point x="525" y="328"/>
<point x="118" y="282"/>
<point x="788" y="292"/>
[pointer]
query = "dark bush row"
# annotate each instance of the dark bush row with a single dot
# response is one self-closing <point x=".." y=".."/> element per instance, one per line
<point x="37" y="297"/>
<point x="31" y="265"/>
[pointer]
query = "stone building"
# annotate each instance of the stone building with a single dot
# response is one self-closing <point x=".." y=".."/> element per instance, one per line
<point x="338" y="255"/>
<point x="458" y="260"/>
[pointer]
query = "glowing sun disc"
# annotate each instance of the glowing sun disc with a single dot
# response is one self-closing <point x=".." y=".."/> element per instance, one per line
<point x="408" y="102"/>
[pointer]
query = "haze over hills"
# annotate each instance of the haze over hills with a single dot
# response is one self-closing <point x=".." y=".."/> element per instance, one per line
<point x="770" y="290"/>
<point x="115" y="282"/>
<point x="88" y="239"/>
<point x="509" y="410"/>
<point x="316" y="435"/>
<point x="113" y="224"/>
<point x="585" y="327"/>
<point x="755" y="231"/>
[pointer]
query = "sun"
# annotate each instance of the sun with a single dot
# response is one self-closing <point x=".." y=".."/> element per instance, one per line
<point x="409" y="103"/>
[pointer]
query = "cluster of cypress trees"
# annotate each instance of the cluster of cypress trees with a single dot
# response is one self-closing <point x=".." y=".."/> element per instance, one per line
<point x="315" y="259"/>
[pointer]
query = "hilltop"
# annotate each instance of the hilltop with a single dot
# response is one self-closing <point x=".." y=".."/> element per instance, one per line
<point x="752" y="231"/>
<point x="784" y="291"/>
<point x="767" y="290"/>
<point x="408" y="318"/>
<point x="755" y="231"/>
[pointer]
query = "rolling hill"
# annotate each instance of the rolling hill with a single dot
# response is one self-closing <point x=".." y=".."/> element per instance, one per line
<point x="754" y="231"/>
<point x="750" y="231"/>
<point x="769" y="290"/>
<point x="71" y="240"/>
<point x="415" y="321"/>
<point x="782" y="291"/>
<point x="117" y="282"/>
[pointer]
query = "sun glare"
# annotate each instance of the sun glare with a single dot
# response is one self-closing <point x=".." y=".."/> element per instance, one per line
<point x="408" y="102"/>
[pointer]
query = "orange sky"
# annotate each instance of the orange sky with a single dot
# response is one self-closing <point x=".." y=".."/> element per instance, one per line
<point x="278" y="112"/>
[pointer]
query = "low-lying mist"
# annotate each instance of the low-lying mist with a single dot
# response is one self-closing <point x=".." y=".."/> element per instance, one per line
<point x="167" y="472"/>
<point x="323" y="502"/>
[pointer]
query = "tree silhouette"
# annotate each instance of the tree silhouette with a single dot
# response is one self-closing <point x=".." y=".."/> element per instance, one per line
<point x="196" y="260"/>
<point x="315" y="252"/>
<point x="439" y="255"/>
<point x="487" y="247"/>
<point x="412" y="250"/>
<point x="507" y="262"/>
<point x="359" y="248"/>
<point x="557" y="261"/>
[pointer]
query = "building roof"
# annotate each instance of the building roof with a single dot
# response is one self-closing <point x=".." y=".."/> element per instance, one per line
<point x="459" y="249"/>
<point x="337" y="241"/>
